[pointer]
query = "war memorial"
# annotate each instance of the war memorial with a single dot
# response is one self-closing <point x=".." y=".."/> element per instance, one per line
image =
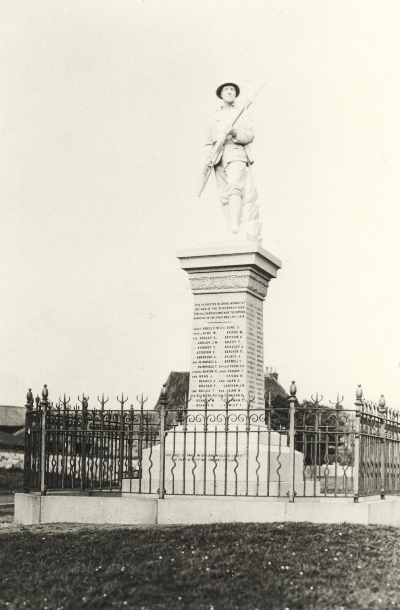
<point x="225" y="451"/>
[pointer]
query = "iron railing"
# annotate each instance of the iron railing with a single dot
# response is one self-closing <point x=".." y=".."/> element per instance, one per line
<point x="306" y="450"/>
<point x="85" y="449"/>
<point x="379" y="448"/>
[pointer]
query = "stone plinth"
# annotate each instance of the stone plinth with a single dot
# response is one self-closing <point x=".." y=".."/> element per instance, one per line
<point x="238" y="461"/>
<point x="229" y="282"/>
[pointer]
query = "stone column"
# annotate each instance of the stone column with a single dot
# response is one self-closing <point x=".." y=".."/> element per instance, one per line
<point x="229" y="282"/>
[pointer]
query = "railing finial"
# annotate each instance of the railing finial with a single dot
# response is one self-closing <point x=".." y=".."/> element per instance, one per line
<point x="382" y="405"/>
<point x="293" y="389"/>
<point x="45" y="393"/>
<point x="164" y="395"/>
<point x="29" y="400"/>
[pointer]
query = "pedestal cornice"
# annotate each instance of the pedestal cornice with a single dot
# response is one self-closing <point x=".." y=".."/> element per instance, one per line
<point x="229" y="267"/>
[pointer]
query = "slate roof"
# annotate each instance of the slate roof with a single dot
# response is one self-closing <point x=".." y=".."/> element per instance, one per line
<point x="12" y="418"/>
<point x="11" y="441"/>
<point x="271" y="385"/>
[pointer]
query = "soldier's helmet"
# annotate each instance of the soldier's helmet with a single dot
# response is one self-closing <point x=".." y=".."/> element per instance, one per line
<point x="218" y="91"/>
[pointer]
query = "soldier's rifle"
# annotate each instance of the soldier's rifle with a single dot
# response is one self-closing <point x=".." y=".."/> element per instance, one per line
<point x="219" y="144"/>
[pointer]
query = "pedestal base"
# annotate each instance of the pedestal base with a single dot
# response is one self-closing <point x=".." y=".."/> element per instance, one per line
<point x="234" y="462"/>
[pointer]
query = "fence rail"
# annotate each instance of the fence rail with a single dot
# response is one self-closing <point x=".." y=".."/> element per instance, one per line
<point x="291" y="451"/>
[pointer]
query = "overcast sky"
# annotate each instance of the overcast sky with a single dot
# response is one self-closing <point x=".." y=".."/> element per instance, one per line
<point x="104" y="111"/>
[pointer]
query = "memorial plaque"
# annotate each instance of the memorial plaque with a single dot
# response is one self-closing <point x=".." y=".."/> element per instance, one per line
<point x="227" y="349"/>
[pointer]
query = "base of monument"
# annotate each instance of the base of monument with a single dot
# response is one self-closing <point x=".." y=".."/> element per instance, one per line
<point x="234" y="462"/>
<point x="33" y="509"/>
<point x="231" y="489"/>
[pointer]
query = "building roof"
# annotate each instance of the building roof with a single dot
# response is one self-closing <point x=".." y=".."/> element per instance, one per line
<point x="12" y="416"/>
<point x="178" y="383"/>
<point x="11" y="441"/>
<point x="272" y="386"/>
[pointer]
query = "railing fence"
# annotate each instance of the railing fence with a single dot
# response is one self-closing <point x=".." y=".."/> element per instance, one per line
<point x="306" y="450"/>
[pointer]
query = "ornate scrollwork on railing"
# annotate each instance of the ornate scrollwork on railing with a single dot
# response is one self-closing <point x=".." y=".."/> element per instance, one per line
<point x="196" y="418"/>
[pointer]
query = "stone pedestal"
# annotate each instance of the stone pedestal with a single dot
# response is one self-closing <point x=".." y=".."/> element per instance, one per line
<point x="224" y="447"/>
<point x="220" y="462"/>
<point x="229" y="282"/>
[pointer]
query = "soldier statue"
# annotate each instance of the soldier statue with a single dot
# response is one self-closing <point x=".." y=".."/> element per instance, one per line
<point x="230" y="134"/>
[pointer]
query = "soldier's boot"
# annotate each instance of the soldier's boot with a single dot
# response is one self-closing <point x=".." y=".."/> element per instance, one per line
<point x="235" y="208"/>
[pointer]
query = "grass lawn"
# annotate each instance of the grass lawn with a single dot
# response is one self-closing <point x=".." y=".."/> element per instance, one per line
<point x="223" y="567"/>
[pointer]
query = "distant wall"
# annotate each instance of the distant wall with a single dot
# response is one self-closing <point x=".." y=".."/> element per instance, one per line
<point x="11" y="470"/>
<point x="11" y="458"/>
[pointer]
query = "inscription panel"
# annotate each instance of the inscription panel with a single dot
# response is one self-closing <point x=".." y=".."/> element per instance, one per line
<point x="227" y="349"/>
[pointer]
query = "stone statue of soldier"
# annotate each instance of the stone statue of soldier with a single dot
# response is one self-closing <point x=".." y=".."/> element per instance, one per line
<point x="236" y="189"/>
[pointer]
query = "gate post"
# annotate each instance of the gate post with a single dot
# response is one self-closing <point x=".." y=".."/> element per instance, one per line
<point x="292" y="401"/>
<point x="44" y="404"/>
<point x="383" y="411"/>
<point x="27" y="442"/>
<point x="357" y="439"/>
<point x="121" y="444"/>
<point x="83" y="436"/>
<point x="121" y="447"/>
<point x="161" y="478"/>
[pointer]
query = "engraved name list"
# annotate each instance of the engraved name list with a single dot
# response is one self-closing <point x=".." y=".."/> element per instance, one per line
<point x="227" y="350"/>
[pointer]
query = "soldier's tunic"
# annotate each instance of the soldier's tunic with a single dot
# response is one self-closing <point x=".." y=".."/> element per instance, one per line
<point x="230" y="169"/>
